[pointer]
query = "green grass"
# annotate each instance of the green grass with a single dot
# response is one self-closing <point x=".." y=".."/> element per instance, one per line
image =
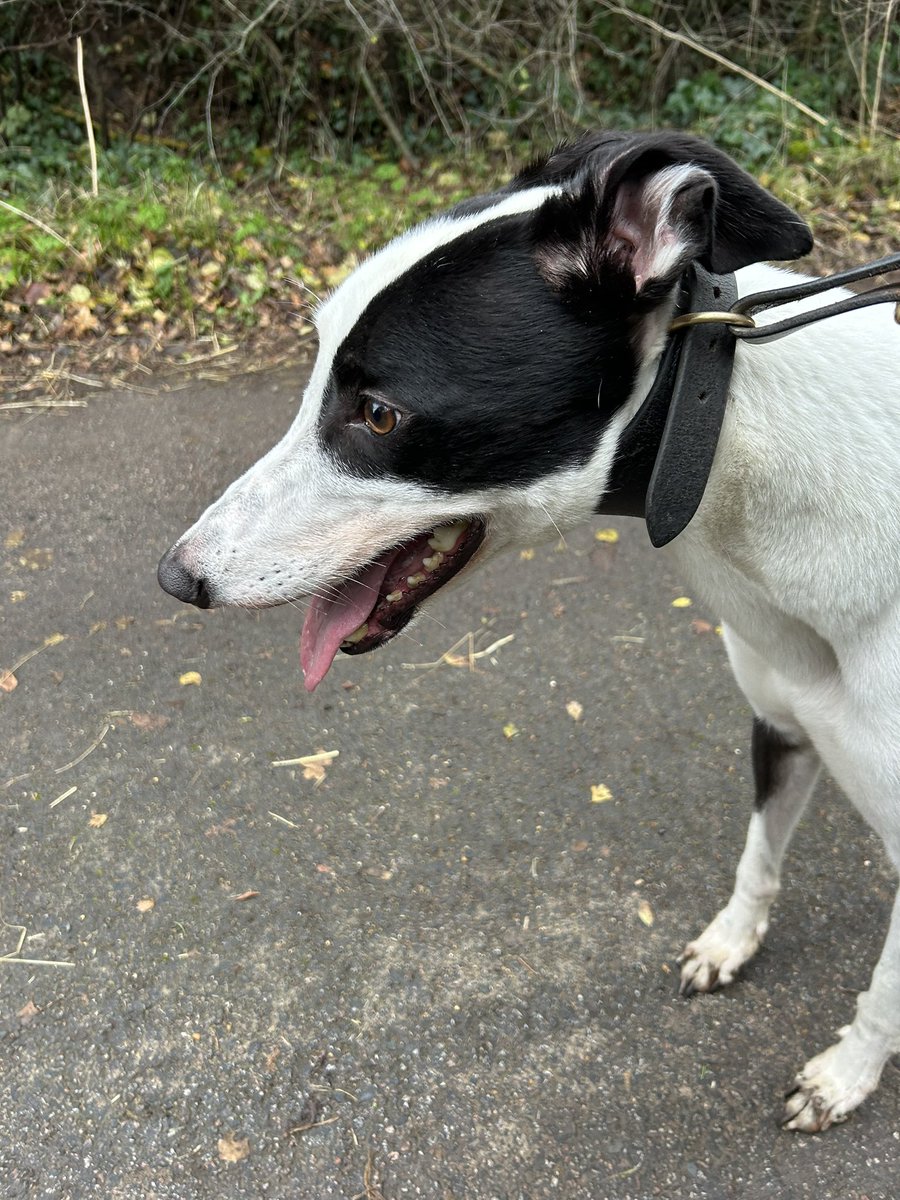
<point x="169" y="249"/>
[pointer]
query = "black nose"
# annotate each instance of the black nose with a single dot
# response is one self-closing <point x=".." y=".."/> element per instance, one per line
<point x="178" y="581"/>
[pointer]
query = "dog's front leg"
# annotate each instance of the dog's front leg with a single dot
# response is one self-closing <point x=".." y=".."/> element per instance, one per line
<point x="835" y="1082"/>
<point x="785" y="771"/>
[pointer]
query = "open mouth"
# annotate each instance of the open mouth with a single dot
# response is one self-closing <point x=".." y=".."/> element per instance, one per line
<point x="379" y="600"/>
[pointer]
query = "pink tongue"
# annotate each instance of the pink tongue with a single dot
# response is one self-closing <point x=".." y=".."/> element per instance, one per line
<point x="329" y="621"/>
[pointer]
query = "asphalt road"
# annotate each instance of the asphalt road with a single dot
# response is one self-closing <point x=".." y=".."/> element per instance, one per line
<point x="443" y="969"/>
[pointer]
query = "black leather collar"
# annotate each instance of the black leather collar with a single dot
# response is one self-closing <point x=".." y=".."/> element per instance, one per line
<point x="666" y="451"/>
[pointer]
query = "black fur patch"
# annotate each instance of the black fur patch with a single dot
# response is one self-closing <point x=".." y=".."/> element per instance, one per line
<point x="501" y="380"/>
<point x="769" y="750"/>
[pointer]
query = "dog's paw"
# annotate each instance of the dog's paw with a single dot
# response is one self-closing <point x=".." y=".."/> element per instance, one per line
<point x="827" y="1090"/>
<point x="716" y="956"/>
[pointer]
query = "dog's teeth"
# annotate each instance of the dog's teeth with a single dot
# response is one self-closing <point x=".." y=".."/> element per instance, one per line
<point x="357" y="635"/>
<point x="432" y="563"/>
<point x="445" y="537"/>
<point x="415" y="580"/>
<point x="393" y="597"/>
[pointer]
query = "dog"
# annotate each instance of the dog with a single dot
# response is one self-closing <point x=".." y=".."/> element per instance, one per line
<point x="474" y="383"/>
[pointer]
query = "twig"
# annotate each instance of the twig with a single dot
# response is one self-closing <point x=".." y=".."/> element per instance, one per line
<point x="51" y="641"/>
<point x="312" y="1125"/>
<point x="879" y="71"/>
<point x="13" y="956"/>
<point x="64" y="796"/>
<point x="43" y="226"/>
<point x="90" y="750"/>
<point x="699" y="48"/>
<point x="307" y="760"/>
<point x="454" y="660"/>
<point x="85" y="104"/>
<point x="43" y="404"/>
<point x="387" y="120"/>
<point x="283" y="820"/>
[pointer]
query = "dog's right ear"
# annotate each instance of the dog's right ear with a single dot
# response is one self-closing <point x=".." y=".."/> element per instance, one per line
<point x="637" y="209"/>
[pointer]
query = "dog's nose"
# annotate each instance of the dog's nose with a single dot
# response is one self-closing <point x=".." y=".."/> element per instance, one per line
<point x="175" y="578"/>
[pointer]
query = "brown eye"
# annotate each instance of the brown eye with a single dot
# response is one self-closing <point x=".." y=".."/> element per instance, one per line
<point x="380" y="418"/>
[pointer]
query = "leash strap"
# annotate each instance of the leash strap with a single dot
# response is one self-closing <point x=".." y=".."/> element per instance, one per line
<point x="741" y="317"/>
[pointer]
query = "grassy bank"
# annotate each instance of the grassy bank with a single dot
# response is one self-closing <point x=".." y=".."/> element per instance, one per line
<point x="168" y="256"/>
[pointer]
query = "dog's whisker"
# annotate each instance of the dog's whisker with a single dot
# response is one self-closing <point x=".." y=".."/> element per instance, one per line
<point x="562" y="536"/>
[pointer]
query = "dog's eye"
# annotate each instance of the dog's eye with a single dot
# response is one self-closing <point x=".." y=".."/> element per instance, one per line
<point x="380" y="418"/>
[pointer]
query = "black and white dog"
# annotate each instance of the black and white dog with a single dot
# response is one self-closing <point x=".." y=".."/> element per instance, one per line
<point x="473" y="383"/>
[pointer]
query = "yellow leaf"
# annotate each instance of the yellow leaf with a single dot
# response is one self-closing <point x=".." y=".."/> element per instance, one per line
<point x="190" y="677"/>
<point x="607" y="535"/>
<point x="600" y="793"/>
<point x="17" y="597"/>
<point x="510" y="730"/>
<point x="575" y="710"/>
<point x="526" y="555"/>
<point x="233" y="1149"/>
<point x="54" y="639"/>
<point x="98" y="820"/>
<point x="14" y="538"/>
<point x="146" y="904"/>
<point x="682" y="602"/>
<point x="645" y="913"/>
<point x="79" y="294"/>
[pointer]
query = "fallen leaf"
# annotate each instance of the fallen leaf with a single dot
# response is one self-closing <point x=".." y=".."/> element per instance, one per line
<point x="526" y="555"/>
<point x="54" y="639"/>
<point x="17" y="597"/>
<point x="248" y="895"/>
<point x="600" y="793"/>
<point x="98" y="820"/>
<point x="149" y="722"/>
<point x="682" y="602"/>
<point x="36" y="560"/>
<point x="579" y="846"/>
<point x="699" y="626"/>
<point x="14" y="538"/>
<point x="645" y="913"/>
<point x="146" y="904"/>
<point x="324" y="869"/>
<point x="233" y="1149"/>
<point x="607" y="535"/>
<point x="28" y="1012"/>
<point x="575" y="710"/>
<point x="8" y="682"/>
<point x="81" y="321"/>
<point x="315" y="772"/>
<point x="36" y="292"/>
<point x="190" y="677"/>
<point x="510" y="730"/>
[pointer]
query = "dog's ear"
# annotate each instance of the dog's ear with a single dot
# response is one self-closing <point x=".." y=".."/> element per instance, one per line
<point x="644" y="206"/>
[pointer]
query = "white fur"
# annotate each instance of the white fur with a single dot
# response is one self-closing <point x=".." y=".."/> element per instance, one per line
<point x="797" y="544"/>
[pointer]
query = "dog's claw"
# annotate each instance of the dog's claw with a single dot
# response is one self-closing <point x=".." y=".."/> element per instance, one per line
<point x="807" y="1111"/>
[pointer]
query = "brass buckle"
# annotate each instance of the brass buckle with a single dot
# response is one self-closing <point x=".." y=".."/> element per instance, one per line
<point x="712" y="318"/>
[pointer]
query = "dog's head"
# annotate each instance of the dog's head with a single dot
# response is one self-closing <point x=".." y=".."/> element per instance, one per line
<point x="472" y="382"/>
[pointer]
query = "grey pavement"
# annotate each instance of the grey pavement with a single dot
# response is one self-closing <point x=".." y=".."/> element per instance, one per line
<point x="445" y="968"/>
